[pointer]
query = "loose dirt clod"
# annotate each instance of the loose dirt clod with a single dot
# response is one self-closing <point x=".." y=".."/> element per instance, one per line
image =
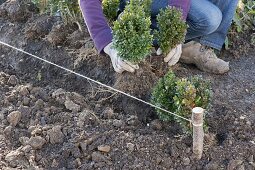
<point x="14" y="118"/>
<point x="12" y="80"/>
<point x="56" y="135"/>
<point x="17" y="10"/>
<point x="156" y="124"/>
<point x="15" y="158"/>
<point x="58" y="35"/>
<point x="36" y="142"/>
<point x="24" y="140"/>
<point x="70" y="105"/>
<point x="8" y="130"/>
<point x="23" y="90"/>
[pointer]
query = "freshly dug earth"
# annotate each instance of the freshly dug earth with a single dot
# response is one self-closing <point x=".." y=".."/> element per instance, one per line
<point x="38" y="28"/>
<point x="51" y="119"/>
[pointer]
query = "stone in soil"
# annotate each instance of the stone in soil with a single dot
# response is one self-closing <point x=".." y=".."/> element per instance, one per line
<point x="12" y="80"/>
<point x="26" y="101"/>
<point x="36" y="142"/>
<point x="104" y="148"/>
<point x="56" y="135"/>
<point x="23" y="90"/>
<point x="70" y="105"/>
<point x="186" y="161"/>
<point x="14" y="117"/>
<point x="130" y="147"/>
<point x="8" y="130"/>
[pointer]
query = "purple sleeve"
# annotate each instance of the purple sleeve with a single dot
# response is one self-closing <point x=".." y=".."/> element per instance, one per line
<point x="183" y="4"/>
<point x="96" y="23"/>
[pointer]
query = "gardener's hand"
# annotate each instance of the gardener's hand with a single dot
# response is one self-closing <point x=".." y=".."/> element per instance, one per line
<point x="119" y="64"/>
<point x="173" y="56"/>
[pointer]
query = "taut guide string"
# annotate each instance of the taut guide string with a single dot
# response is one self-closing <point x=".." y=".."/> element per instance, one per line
<point x="97" y="82"/>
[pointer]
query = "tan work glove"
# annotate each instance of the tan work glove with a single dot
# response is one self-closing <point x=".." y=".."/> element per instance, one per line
<point x="119" y="64"/>
<point x="173" y="56"/>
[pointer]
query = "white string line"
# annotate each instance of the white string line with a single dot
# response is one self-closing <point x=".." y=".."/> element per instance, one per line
<point x="97" y="82"/>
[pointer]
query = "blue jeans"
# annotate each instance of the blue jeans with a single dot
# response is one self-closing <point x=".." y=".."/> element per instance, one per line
<point x="208" y="20"/>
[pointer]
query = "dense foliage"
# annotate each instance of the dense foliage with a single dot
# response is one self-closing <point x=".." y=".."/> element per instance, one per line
<point x="172" y="29"/>
<point x="146" y="4"/>
<point x="180" y="96"/>
<point x="132" y="34"/>
<point x="110" y="9"/>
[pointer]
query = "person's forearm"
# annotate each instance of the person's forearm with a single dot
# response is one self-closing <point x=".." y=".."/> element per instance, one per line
<point x="183" y="4"/>
<point x="96" y="22"/>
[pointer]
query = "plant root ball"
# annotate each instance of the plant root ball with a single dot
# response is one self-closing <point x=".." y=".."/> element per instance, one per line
<point x="16" y="10"/>
<point x="139" y="83"/>
<point x="39" y="27"/>
<point x="58" y="35"/>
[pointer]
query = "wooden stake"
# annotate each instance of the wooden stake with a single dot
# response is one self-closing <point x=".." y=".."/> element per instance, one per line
<point x="198" y="131"/>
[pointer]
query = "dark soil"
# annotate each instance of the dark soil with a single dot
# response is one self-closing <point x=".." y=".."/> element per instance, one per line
<point x="51" y="119"/>
<point x="39" y="27"/>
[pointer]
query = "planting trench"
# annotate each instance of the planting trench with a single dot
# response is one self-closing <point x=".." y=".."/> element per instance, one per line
<point x="51" y="119"/>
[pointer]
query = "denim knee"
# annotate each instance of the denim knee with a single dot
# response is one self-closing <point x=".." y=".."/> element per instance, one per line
<point x="211" y="21"/>
<point x="214" y="21"/>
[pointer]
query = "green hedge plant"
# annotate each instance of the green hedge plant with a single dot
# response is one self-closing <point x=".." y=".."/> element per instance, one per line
<point x="110" y="9"/>
<point x="145" y="4"/>
<point x="180" y="96"/>
<point x="132" y="34"/>
<point x="171" y="29"/>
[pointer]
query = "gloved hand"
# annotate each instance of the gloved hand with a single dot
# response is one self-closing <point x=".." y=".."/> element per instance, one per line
<point x="173" y="56"/>
<point x="119" y="64"/>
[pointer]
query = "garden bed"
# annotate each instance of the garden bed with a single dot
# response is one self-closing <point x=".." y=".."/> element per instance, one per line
<point x="63" y="121"/>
